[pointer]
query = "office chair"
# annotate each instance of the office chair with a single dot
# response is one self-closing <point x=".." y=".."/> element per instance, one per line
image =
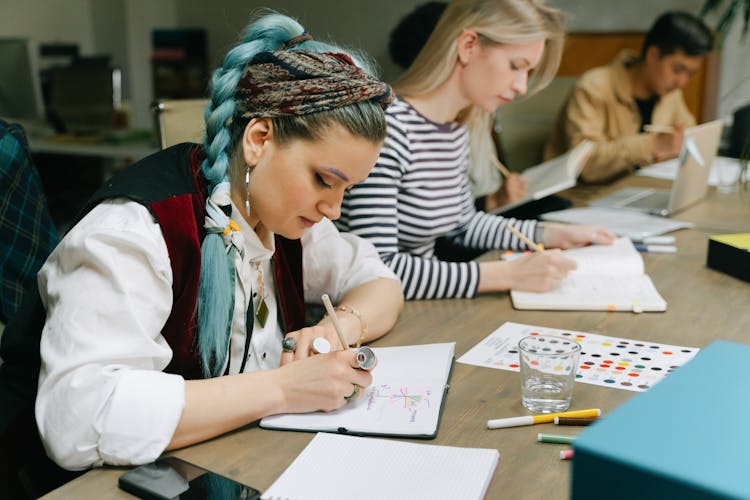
<point x="526" y="124"/>
<point x="180" y="121"/>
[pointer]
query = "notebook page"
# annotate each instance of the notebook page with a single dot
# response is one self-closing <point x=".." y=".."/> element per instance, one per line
<point x="596" y="293"/>
<point x="336" y="467"/>
<point x="404" y="399"/>
<point x="620" y="257"/>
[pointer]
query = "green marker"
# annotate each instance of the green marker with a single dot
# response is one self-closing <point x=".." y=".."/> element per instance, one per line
<point x="555" y="438"/>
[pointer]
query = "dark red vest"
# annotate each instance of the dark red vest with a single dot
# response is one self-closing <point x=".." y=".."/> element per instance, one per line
<point x="169" y="183"/>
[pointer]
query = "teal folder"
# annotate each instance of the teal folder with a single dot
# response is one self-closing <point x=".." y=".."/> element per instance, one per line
<point x="688" y="437"/>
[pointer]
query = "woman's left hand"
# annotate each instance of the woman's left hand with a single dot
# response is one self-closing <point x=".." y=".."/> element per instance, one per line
<point x="573" y="235"/>
<point x="304" y="339"/>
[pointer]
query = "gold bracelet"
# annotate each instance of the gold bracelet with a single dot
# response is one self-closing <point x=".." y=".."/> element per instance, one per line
<point x="362" y="325"/>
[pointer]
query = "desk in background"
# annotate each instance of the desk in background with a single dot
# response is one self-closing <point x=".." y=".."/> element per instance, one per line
<point x="71" y="169"/>
<point x="703" y="306"/>
<point x="129" y="151"/>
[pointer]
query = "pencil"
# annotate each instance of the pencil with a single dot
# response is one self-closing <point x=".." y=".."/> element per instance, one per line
<point x="502" y="168"/>
<point x="500" y="423"/>
<point x="658" y="129"/>
<point x="535" y="246"/>
<point x="334" y="319"/>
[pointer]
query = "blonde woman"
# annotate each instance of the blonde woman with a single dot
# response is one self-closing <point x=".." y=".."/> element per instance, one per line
<point x="481" y="55"/>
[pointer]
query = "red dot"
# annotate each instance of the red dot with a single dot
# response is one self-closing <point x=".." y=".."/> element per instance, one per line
<point x="607" y="361"/>
<point x="603" y="366"/>
<point x="585" y="367"/>
<point x="513" y="365"/>
<point x="633" y="374"/>
<point x="619" y="367"/>
<point x="667" y="352"/>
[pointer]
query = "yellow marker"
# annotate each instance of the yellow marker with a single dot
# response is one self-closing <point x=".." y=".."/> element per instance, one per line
<point x="500" y="423"/>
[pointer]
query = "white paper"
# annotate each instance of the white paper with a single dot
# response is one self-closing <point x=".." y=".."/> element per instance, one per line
<point x="404" y="399"/>
<point x="668" y="170"/>
<point x="633" y="365"/>
<point x="334" y="467"/>
<point x="621" y="222"/>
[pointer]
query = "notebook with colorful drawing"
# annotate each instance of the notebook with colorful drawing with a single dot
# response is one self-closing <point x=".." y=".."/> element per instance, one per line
<point x="402" y="400"/>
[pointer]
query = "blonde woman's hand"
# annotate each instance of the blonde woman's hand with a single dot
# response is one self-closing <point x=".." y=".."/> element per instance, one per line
<point x="533" y="272"/>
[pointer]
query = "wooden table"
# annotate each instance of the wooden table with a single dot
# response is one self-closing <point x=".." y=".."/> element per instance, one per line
<point x="704" y="305"/>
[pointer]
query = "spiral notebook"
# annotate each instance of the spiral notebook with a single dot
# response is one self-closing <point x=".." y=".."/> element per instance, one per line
<point x="405" y="399"/>
<point x="334" y="467"/>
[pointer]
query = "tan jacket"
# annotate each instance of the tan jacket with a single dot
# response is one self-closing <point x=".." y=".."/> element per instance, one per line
<point x="601" y="108"/>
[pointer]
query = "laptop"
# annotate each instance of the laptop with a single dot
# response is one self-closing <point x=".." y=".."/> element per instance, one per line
<point x="690" y="185"/>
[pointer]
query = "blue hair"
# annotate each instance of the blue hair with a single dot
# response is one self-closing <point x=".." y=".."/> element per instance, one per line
<point x="216" y="288"/>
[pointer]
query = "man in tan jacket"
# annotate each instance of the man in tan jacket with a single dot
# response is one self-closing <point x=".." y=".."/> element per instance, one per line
<point x="610" y="105"/>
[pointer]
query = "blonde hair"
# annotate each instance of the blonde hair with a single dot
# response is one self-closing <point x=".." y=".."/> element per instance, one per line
<point x="499" y="21"/>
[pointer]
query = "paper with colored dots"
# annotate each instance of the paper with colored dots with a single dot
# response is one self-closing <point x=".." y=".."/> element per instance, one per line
<point x="633" y="365"/>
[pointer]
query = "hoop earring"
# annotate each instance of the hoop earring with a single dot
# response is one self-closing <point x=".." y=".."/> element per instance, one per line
<point x="247" y="190"/>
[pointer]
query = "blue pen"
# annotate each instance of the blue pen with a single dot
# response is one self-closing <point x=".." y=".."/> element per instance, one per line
<point x="656" y="248"/>
<point x="654" y="240"/>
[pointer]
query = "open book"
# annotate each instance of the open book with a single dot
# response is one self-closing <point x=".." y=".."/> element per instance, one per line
<point x="608" y="278"/>
<point x="553" y="175"/>
<point x="405" y="398"/>
<point x="335" y="467"/>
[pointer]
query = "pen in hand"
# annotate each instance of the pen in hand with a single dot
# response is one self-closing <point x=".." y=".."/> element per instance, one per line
<point x="335" y="320"/>
<point x="365" y="356"/>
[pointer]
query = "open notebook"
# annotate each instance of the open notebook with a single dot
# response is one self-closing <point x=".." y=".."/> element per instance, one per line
<point x="608" y="278"/>
<point x="336" y="467"/>
<point x="553" y="175"/>
<point x="405" y="399"/>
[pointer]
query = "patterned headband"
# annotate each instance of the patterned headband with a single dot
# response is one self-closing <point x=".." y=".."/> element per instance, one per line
<point x="300" y="82"/>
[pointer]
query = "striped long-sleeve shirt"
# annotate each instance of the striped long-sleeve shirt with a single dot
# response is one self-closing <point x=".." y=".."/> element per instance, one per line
<point x="417" y="192"/>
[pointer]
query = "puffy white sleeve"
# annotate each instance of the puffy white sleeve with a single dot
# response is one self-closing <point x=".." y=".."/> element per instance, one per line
<point x="107" y="289"/>
<point x="335" y="262"/>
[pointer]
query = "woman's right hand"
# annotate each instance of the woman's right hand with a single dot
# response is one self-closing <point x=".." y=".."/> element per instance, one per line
<point x="534" y="272"/>
<point x="320" y="382"/>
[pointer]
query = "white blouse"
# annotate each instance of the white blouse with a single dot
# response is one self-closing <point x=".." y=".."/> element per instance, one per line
<point x="107" y="289"/>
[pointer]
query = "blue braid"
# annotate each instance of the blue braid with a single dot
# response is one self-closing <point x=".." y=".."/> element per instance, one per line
<point x="216" y="290"/>
<point x="216" y="287"/>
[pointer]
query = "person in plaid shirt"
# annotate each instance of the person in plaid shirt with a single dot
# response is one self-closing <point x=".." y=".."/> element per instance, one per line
<point x="27" y="233"/>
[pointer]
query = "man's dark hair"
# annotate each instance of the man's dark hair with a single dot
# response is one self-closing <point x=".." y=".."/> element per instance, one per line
<point x="412" y="32"/>
<point x="675" y="31"/>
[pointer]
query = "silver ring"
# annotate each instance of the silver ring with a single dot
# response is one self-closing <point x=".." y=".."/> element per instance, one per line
<point x="320" y="345"/>
<point x="288" y="344"/>
<point x="354" y="393"/>
<point x="366" y="358"/>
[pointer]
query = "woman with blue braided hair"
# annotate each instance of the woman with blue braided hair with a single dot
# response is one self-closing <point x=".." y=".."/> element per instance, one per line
<point x="176" y="304"/>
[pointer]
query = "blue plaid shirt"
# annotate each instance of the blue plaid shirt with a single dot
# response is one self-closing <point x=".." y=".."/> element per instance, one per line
<point x="27" y="233"/>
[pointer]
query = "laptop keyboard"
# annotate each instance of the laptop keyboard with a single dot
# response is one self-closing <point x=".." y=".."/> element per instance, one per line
<point x="657" y="199"/>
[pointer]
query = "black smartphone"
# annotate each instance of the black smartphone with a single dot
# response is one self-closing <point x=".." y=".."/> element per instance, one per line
<point x="171" y="477"/>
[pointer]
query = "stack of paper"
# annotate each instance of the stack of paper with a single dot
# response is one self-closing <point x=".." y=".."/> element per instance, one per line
<point x="621" y="222"/>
